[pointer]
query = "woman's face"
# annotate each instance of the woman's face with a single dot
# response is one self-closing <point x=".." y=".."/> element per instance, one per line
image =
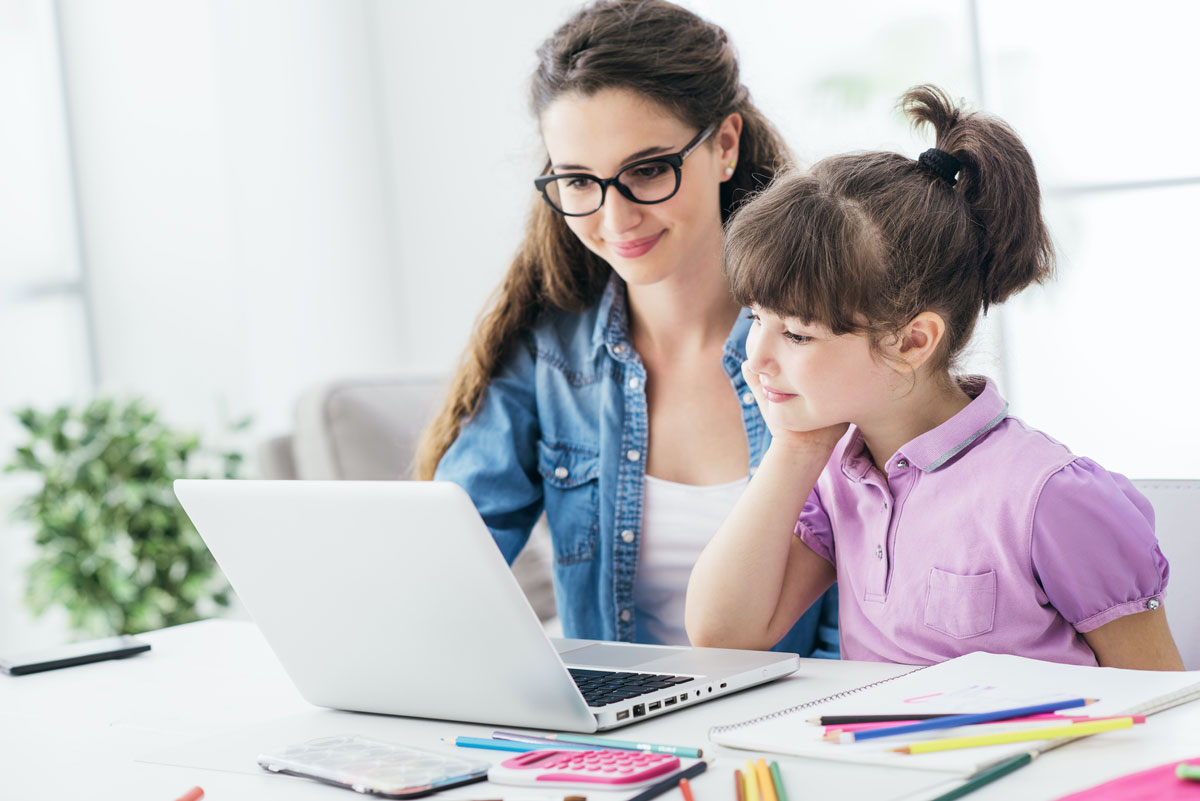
<point x="599" y="134"/>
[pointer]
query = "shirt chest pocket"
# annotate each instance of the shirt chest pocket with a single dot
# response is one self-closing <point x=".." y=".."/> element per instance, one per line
<point x="961" y="606"/>
<point x="571" y="482"/>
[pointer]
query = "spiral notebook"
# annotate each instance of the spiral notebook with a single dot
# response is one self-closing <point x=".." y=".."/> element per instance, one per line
<point x="978" y="682"/>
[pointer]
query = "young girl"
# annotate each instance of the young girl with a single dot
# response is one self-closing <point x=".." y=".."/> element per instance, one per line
<point x="950" y="526"/>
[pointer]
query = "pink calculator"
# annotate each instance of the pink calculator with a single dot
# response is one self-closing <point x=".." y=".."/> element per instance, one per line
<point x="597" y="769"/>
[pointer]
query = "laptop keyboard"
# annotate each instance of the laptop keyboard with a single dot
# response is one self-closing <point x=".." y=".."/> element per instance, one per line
<point x="603" y="687"/>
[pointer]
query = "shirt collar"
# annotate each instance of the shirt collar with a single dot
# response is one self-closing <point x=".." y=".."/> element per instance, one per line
<point x="612" y="317"/>
<point x="612" y="326"/>
<point x="936" y="447"/>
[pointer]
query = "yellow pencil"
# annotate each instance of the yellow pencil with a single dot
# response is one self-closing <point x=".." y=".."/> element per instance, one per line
<point x="751" y="782"/>
<point x="1024" y="735"/>
<point x="766" y="784"/>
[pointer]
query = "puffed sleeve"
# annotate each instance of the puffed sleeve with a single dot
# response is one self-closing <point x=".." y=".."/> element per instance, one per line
<point x="814" y="529"/>
<point x="494" y="457"/>
<point x="1094" y="550"/>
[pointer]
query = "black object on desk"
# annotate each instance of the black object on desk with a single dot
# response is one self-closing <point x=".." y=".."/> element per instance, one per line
<point x="76" y="653"/>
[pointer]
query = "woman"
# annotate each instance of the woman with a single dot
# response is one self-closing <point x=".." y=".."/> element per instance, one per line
<point x="605" y="385"/>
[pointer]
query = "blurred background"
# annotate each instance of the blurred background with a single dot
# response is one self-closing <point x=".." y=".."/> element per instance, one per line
<point x="216" y="204"/>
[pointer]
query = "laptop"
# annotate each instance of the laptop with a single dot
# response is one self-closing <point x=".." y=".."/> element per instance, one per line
<point x="392" y="597"/>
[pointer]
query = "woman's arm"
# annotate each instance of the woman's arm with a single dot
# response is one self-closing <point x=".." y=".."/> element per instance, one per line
<point x="1140" y="641"/>
<point x="755" y="577"/>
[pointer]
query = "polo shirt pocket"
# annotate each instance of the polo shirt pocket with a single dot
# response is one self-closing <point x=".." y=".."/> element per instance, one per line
<point x="961" y="606"/>
<point x="571" y="482"/>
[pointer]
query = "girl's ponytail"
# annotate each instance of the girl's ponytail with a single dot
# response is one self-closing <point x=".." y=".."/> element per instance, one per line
<point x="999" y="184"/>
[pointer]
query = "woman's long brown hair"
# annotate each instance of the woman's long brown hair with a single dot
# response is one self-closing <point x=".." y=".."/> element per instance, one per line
<point x="669" y="56"/>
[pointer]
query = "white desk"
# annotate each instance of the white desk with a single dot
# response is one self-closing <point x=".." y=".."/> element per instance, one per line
<point x="211" y="695"/>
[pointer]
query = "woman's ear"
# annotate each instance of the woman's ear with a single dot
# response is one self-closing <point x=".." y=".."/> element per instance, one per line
<point x="727" y="138"/>
<point x="917" y="342"/>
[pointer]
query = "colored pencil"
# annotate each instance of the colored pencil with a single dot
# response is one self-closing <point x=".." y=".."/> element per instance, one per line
<point x="751" y="782"/>
<point x="1185" y="770"/>
<point x="506" y="745"/>
<point x="671" y="782"/>
<point x="628" y="745"/>
<point x="766" y="784"/>
<point x="546" y="742"/>
<point x="685" y="787"/>
<point x="1022" y="736"/>
<point x="780" y="790"/>
<point x="1045" y="717"/>
<point x="952" y="721"/>
<point x="840" y="720"/>
<point x="739" y="785"/>
<point x="987" y="776"/>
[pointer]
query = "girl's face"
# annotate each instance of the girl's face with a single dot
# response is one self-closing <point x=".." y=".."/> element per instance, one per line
<point x="812" y="379"/>
<point x="599" y="134"/>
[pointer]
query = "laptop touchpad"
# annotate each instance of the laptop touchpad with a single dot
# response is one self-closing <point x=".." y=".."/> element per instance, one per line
<point x="615" y="656"/>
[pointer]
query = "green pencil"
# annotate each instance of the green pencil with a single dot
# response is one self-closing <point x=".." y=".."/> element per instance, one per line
<point x="779" y="791"/>
<point x="988" y="776"/>
<point x="604" y="742"/>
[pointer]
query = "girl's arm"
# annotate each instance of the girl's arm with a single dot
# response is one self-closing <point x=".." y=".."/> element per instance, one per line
<point x="1140" y="641"/>
<point x="755" y="577"/>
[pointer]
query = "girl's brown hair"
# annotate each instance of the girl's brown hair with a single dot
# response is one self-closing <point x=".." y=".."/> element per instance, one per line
<point x="864" y="242"/>
<point x="669" y="56"/>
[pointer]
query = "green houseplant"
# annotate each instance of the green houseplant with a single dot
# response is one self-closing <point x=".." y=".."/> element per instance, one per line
<point x="114" y="548"/>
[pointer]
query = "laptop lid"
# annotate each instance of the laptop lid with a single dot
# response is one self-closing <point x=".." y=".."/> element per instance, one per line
<point x="392" y="597"/>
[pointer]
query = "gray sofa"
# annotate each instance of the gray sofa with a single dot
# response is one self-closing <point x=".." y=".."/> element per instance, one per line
<point x="367" y="429"/>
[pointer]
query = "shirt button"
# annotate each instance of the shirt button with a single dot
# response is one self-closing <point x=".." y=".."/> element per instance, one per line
<point x="634" y="383"/>
<point x="903" y="463"/>
<point x="878" y="551"/>
<point x="626" y="615"/>
<point x="627" y="535"/>
<point x="561" y="472"/>
<point x="747" y="398"/>
<point x="1153" y="603"/>
<point x="633" y="456"/>
<point x="619" y="349"/>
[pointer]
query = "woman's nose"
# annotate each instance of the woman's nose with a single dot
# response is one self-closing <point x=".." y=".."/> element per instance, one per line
<point x="620" y="213"/>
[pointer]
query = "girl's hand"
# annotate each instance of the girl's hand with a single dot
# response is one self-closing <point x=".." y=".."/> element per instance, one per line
<point x="821" y="438"/>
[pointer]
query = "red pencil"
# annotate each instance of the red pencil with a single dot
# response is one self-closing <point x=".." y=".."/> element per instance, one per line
<point x="685" y="787"/>
<point x="194" y="794"/>
<point x="740" y="784"/>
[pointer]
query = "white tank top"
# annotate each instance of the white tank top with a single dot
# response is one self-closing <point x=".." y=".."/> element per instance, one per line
<point x="678" y="520"/>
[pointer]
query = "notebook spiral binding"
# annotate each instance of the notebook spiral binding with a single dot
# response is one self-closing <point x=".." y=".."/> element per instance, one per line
<point x="806" y="705"/>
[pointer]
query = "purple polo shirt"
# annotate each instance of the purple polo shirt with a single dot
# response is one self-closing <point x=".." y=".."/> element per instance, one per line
<point x="985" y="535"/>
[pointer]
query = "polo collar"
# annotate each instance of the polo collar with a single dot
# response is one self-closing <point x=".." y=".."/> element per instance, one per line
<point x="936" y="447"/>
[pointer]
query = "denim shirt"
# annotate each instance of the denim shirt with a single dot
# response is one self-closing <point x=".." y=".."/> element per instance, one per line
<point x="563" y="426"/>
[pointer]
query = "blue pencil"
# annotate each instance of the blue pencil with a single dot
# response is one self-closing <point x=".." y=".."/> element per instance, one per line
<point x="950" y="721"/>
<point x="510" y="745"/>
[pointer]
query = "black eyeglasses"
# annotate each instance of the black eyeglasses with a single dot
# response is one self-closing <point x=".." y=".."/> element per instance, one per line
<point x="646" y="181"/>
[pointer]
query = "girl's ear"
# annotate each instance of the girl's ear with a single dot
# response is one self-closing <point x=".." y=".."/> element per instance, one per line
<point x="918" y="341"/>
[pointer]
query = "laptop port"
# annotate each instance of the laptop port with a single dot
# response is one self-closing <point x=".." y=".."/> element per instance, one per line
<point x="723" y="685"/>
<point x="683" y="697"/>
<point x="669" y="702"/>
<point x="622" y="715"/>
<point x="639" y="710"/>
<point x="655" y="706"/>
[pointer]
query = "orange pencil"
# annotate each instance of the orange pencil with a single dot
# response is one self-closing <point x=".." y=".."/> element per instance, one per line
<point x="766" y="784"/>
<point x="685" y="787"/>
<point x="194" y="794"/>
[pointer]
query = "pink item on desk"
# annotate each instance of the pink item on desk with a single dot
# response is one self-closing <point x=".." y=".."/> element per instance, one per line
<point x="1155" y="784"/>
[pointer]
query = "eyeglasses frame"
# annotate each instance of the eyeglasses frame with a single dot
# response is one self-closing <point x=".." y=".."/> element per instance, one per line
<point x="673" y="159"/>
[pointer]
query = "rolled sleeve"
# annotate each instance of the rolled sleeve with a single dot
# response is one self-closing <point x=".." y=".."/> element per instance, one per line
<point x="1093" y="546"/>
<point x="494" y="457"/>
<point x="814" y="528"/>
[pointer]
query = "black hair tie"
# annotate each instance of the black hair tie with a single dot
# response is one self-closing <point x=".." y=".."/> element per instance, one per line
<point x="944" y="165"/>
